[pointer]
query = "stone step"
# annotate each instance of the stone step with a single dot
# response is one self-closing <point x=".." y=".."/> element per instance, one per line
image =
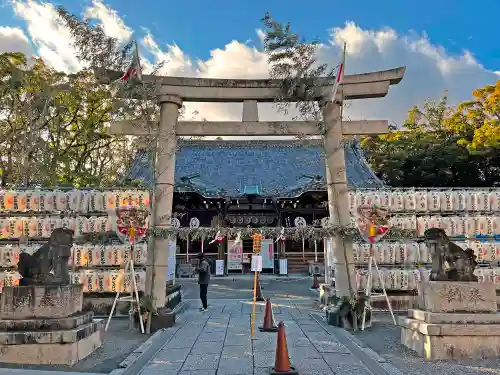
<point x="46" y="324"/>
<point x="61" y="336"/>
<point x="453" y="318"/>
<point x="64" y="347"/>
<point x="442" y="329"/>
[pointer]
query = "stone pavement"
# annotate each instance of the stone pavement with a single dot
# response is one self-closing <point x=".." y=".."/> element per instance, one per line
<point x="217" y="342"/>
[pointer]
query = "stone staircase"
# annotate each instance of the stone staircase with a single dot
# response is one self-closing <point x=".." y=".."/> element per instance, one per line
<point x="298" y="264"/>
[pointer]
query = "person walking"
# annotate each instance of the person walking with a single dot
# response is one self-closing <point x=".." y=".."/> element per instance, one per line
<point x="203" y="271"/>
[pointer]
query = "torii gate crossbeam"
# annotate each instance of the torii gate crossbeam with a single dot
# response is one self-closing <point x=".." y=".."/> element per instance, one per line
<point x="174" y="91"/>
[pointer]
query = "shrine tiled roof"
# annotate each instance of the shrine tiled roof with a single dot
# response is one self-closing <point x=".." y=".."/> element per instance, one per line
<point x="269" y="168"/>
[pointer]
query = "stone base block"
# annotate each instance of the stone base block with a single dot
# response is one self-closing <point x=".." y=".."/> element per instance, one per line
<point x="450" y="347"/>
<point x="451" y="296"/>
<point x="51" y="354"/>
<point x="453" y="318"/>
<point x="63" y="347"/>
<point x="450" y="341"/>
<point x="46" y="324"/>
<point x="441" y="329"/>
<point x="61" y="336"/>
<point x="40" y="301"/>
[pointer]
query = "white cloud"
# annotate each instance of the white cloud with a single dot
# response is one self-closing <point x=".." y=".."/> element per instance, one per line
<point x="52" y="39"/>
<point x="112" y="24"/>
<point x="430" y="69"/>
<point x="13" y="39"/>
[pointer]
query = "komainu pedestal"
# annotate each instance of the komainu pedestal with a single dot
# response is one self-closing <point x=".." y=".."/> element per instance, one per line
<point x="46" y="325"/>
<point x="453" y="320"/>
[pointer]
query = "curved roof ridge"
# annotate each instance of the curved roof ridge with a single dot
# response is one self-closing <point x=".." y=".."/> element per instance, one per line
<point x="299" y="142"/>
<point x="276" y="166"/>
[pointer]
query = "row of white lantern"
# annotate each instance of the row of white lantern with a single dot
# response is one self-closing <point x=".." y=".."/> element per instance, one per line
<point x="393" y="278"/>
<point x="93" y="281"/>
<point x="100" y="281"/>
<point x="108" y="255"/>
<point x="42" y="226"/>
<point x="418" y="253"/>
<point x="9" y="254"/>
<point x="82" y="201"/>
<point x="428" y="200"/>
<point x="86" y="255"/>
<point x="454" y="226"/>
<point x="407" y="279"/>
<point x="102" y="201"/>
<point x="392" y="253"/>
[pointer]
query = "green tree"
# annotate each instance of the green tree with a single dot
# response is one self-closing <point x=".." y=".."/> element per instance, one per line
<point x="477" y="121"/>
<point x="439" y="146"/>
<point x="477" y="124"/>
<point x="54" y="127"/>
<point x="293" y="63"/>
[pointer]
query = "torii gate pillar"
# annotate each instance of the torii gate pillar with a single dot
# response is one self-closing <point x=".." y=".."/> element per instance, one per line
<point x="338" y="202"/>
<point x="164" y="170"/>
<point x="358" y="86"/>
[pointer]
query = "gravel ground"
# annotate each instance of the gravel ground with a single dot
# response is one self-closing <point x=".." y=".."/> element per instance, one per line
<point x="384" y="338"/>
<point x="118" y="343"/>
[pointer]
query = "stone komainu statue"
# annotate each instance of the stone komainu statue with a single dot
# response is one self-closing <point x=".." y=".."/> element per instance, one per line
<point x="53" y="256"/>
<point x="449" y="261"/>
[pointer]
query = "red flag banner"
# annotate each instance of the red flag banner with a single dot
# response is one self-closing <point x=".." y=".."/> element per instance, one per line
<point x="134" y="70"/>
<point x="131" y="224"/>
<point x="372" y="222"/>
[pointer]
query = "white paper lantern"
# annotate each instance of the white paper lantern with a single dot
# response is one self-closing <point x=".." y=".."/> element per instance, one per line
<point x="300" y="222"/>
<point x="446" y="198"/>
<point x="352" y="203"/>
<point x="484" y="226"/>
<point x="384" y="198"/>
<point x="410" y="201"/>
<point x="356" y="252"/>
<point x="175" y="223"/>
<point x="433" y="201"/>
<point x="325" y="222"/>
<point x="470" y="226"/>
<point x="494" y="198"/>
<point x="421" y="200"/>
<point x="422" y="225"/>
<point x="482" y="202"/>
<point x="379" y="251"/>
<point x="399" y="252"/>
<point x="397" y="201"/>
<point x="194" y="222"/>
<point x="75" y="199"/>
<point x="460" y="202"/>
<point x="413" y="252"/>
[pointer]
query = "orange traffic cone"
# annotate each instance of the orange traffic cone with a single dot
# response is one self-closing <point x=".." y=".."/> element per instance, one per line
<point x="258" y="295"/>
<point x="315" y="282"/>
<point x="282" y="364"/>
<point x="268" y="325"/>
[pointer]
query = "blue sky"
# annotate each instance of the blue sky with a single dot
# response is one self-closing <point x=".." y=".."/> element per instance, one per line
<point x="199" y="25"/>
<point x="445" y="44"/>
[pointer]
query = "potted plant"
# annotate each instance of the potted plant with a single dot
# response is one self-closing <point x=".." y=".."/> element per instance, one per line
<point x="348" y="312"/>
<point x="147" y="307"/>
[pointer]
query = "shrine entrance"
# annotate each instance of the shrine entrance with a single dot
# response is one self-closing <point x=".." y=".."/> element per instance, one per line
<point x="175" y="90"/>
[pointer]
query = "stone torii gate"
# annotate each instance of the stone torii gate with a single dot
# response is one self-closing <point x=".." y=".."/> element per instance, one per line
<point x="174" y="91"/>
